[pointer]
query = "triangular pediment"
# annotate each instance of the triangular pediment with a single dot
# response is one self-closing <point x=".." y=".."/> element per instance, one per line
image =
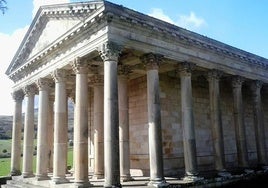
<point x="50" y="23"/>
<point x="52" y="31"/>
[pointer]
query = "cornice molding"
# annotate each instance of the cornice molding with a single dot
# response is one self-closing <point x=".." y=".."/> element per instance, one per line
<point x="71" y="10"/>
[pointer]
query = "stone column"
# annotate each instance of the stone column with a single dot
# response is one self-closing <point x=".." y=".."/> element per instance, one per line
<point x="187" y="121"/>
<point x="50" y="134"/>
<point x="110" y="53"/>
<point x="44" y="85"/>
<point x="124" y="70"/>
<point x="240" y="131"/>
<point x="60" y="127"/>
<point x="16" y="134"/>
<point x="28" y="146"/>
<point x="152" y="62"/>
<point x="215" y="119"/>
<point x="259" y="122"/>
<point x="81" y="123"/>
<point x="97" y="81"/>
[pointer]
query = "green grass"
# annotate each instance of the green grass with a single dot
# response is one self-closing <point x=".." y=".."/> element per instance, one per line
<point x="4" y="166"/>
<point x="5" y="144"/>
<point x="5" y="162"/>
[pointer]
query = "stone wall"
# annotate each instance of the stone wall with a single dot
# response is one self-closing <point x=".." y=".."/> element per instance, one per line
<point x="171" y="124"/>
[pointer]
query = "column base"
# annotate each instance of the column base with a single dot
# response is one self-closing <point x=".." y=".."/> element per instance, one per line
<point x="224" y="174"/>
<point x="126" y="178"/>
<point x="15" y="173"/>
<point x="192" y="178"/>
<point x="98" y="176"/>
<point x="59" y="180"/>
<point x="112" y="186"/>
<point x="82" y="185"/>
<point x="41" y="177"/>
<point x="27" y="174"/>
<point x="157" y="183"/>
<point x="248" y="171"/>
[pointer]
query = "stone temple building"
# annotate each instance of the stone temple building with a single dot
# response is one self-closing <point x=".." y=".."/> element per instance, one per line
<point x="150" y="98"/>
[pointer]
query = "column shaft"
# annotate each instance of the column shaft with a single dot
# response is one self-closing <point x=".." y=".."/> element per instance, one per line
<point x="111" y="123"/>
<point x="123" y="128"/>
<point x="42" y="131"/>
<point x="215" y="119"/>
<point x="16" y="134"/>
<point x="28" y="146"/>
<point x="60" y="128"/>
<point x="81" y="124"/>
<point x="109" y="54"/>
<point x="98" y="126"/>
<point x="154" y="120"/>
<point x="259" y="122"/>
<point x="187" y="118"/>
<point x="240" y="131"/>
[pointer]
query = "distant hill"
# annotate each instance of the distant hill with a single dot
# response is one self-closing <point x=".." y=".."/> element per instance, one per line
<point x="6" y="123"/>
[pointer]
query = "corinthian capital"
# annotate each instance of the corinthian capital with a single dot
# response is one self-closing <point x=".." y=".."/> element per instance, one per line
<point x="152" y="61"/>
<point x="29" y="90"/>
<point x="59" y="75"/>
<point x="79" y="67"/>
<point x="256" y="85"/>
<point x="237" y="81"/>
<point x="43" y="84"/>
<point x="109" y="51"/>
<point x="124" y="70"/>
<point x="97" y="79"/>
<point x="214" y="75"/>
<point x="185" y="68"/>
<point x="18" y="96"/>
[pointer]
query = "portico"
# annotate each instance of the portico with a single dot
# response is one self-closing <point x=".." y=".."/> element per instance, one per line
<point x="165" y="100"/>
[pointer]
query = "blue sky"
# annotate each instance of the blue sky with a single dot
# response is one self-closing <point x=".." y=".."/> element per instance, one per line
<point x="240" y="23"/>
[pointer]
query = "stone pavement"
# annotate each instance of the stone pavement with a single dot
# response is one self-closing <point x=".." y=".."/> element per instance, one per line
<point x="141" y="181"/>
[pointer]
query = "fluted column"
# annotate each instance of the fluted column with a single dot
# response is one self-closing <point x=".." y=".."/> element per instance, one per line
<point x="240" y="131"/>
<point x="81" y="123"/>
<point x="97" y="81"/>
<point x="110" y="53"/>
<point x="152" y="62"/>
<point x="215" y="119"/>
<point x="187" y="120"/>
<point x="16" y="134"/>
<point x="60" y="127"/>
<point x="258" y="122"/>
<point x="28" y="146"/>
<point x="124" y="70"/>
<point x="44" y="85"/>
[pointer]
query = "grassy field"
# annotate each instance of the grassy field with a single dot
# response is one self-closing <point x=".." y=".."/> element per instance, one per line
<point x="5" y="162"/>
<point x="5" y="144"/>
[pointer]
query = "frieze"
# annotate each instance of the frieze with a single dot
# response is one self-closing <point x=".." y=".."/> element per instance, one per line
<point x="193" y="39"/>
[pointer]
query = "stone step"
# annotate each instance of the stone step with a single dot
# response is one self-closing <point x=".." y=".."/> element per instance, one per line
<point x="21" y="184"/>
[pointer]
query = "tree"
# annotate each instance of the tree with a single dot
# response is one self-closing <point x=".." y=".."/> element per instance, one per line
<point x="3" y="6"/>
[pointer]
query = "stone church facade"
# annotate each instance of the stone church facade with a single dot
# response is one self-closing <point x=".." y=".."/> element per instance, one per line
<point x="150" y="98"/>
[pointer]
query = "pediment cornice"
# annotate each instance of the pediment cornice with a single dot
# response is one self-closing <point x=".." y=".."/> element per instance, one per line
<point x="71" y="11"/>
<point x="184" y="36"/>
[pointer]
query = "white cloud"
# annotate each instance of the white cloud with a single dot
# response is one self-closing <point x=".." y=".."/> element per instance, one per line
<point x="191" y="21"/>
<point x="8" y="47"/>
<point x="38" y="3"/>
<point x="158" y="13"/>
